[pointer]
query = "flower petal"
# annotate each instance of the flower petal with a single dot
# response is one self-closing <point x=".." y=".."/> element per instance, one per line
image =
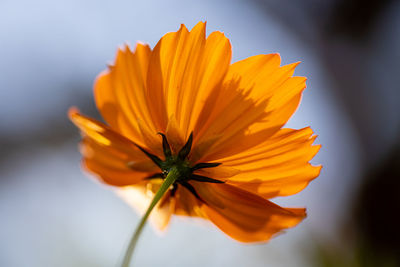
<point x="262" y="77"/>
<point x="114" y="177"/>
<point x="112" y="157"/>
<point x="278" y="166"/>
<point x="272" y="95"/>
<point x="184" y="69"/>
<point x="187" y="204"/>
<point x="233" y="113"/>
<point x="175" y="138"/>
<point x="219" y="172"/>
<point x="121" y="94"/>
<point x="244" y="216"/>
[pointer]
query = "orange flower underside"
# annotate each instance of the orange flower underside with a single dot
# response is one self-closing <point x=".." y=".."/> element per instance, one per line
<point x="236" y="113"/>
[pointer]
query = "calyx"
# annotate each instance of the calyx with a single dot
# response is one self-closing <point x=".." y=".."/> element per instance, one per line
<point x="181" y="163"/>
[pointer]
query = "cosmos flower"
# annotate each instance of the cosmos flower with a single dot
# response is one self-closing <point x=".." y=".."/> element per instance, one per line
<point x="183" y="107"/>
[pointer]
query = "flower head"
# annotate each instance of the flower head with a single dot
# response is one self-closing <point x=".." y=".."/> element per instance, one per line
<point x="183" y="106"/>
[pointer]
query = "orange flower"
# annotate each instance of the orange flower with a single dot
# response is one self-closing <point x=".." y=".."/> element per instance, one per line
<point x="219" y="124"/>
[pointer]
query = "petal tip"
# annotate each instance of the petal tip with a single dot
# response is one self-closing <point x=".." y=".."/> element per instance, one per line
<point x="276" y="54"/>
<point x="72" y="112"/>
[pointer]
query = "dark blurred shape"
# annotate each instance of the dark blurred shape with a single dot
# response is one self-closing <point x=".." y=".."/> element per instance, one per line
<point x="376" y="212"/>
<point x="351" y="18"/>
<point x="356" y="44"/>
<point x="355" y="19"/>
<point x="371" y="236"/>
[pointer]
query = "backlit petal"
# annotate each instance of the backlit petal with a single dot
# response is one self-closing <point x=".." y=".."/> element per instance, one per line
<point x="264" y="79"/>
<point x="184" y="69"/>
<point x="272" y="95"/>
<point x="278" y="166"/>
<point x="121" y="93"/>
<point x="110" y="156"/>
<point x="187" y="204"/>
<point x="244" y="216"/>
<point x="233" y="113"/>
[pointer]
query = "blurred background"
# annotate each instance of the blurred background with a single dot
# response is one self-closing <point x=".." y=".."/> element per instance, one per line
<point x="50" y="53"/>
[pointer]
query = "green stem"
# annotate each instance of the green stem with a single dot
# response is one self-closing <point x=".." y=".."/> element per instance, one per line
<point x="169" y="180"/>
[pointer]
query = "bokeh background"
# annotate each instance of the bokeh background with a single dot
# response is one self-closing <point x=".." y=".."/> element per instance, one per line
<point x="50" y="53"/>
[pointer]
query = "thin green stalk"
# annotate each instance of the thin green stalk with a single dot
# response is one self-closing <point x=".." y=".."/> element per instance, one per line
<point x="169" y="180"/>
